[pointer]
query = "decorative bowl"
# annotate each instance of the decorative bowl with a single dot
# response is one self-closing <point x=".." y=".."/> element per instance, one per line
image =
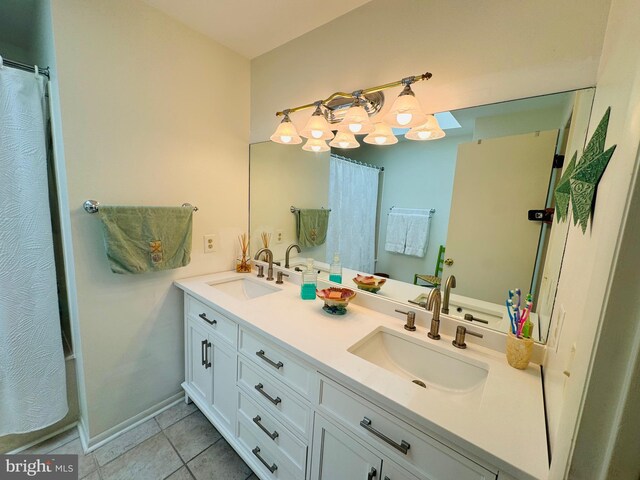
<point x="336" y="299"/>
<point x="369" y="283"/>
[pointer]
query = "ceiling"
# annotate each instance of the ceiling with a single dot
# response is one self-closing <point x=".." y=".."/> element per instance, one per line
<point x="253" y="27"/>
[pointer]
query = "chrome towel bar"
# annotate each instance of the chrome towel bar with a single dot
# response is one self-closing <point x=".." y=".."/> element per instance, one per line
<point x="92" y="206"/>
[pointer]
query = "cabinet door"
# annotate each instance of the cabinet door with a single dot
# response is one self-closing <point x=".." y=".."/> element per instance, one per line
<point x="199" y="373"/>
<point x="224" y="399"/>
<point x="336" y="456"/>
<point x="393" y="471"/>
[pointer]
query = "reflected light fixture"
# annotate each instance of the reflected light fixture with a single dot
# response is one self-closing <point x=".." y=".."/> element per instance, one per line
<point x="317" y="127"/>
<point x="405" y="112"/>
<point x="316" y="145"/>
<point x="430" y="130"/>
<point x="344" y="140"/>
<point x="286" y="132"/>
<point x="381" y="135"/>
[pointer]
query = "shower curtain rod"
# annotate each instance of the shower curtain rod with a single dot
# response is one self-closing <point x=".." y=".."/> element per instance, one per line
<point x="351" y="160"/>
<point x="23" y="66"/>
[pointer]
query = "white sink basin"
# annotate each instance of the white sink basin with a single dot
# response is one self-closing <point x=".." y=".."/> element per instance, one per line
<point x="414" y="359"/>
<point x="244" y="288"/>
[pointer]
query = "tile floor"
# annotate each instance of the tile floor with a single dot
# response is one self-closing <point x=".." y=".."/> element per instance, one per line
<point x="177" y="444"/>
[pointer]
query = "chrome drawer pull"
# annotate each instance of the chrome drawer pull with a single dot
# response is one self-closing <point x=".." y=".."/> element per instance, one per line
<point x="203" y="345"/>
<point x="204" y="317"/>
<point x="271" y="468"/>
<point x="272" y="436"/>
<point x="372" y="474"/>
<point x="402" y="446"/>
<point x="261" y="354"/>
<point x="275" y="401"/>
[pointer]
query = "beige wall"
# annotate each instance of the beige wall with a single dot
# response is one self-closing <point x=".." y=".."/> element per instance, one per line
<point x="598" y="299"/>
<point x="152" y="114"/>
<point x="500" y="50"/>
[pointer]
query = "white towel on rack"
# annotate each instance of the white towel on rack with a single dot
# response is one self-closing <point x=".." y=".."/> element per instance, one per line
<point x="396" y="233"/>
<point x="417" y="238"/>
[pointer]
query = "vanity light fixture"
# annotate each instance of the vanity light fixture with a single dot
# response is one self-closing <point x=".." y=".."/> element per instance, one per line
<point x="430" y="130"/>
<point x="316" y="145"/>
<point x="317" y="127"/>
<point x="344" y="140"/>
<point x="405" y="112"/>
<point x="286" y="132"/>
<point x="356" y="120"/>
<point x="381" y="135"/>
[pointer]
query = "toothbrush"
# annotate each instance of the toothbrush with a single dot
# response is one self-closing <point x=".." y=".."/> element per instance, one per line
<point x="511" y="319"/>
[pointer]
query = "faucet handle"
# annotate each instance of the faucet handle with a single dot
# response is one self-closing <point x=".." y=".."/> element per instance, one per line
<point x="279" y="280"/>
<point x="260" y="271"/>
<point x="461" y="331"/>
<point x="411" y="320"/>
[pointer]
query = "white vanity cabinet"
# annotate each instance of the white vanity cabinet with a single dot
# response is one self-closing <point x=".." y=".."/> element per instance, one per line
<point x="210" y="362"/>
<point x="290" y="420"/>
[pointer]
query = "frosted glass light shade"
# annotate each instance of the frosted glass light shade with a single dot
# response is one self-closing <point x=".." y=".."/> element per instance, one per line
<point x="317" y="127"/>
<point x="356" y="121"/>
<point x="316" y="145"/>
<point x="344" y="140"/>
<point x="382" y="135"/>
<point x="405" y="111"/>
<point x="430" y="130"/>
<point x="286" y="133"/>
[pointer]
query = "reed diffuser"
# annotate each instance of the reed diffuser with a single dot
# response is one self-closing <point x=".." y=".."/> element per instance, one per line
<point x="243" y="264"/>
<point x="266" y="239"/>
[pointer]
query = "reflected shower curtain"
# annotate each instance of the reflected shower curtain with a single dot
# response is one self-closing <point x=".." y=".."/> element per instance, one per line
<point x="353" y="200"/>
<point x="32" y="372"/>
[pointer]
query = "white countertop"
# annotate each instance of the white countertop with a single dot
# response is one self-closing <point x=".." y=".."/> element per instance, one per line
<point x="506" y="427"/>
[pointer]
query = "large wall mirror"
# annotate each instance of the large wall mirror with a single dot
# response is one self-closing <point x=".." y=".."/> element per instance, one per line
<point x="476" y="186"/>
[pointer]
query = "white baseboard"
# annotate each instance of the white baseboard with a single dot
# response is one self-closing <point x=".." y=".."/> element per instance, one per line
<point x="89" y="444"/>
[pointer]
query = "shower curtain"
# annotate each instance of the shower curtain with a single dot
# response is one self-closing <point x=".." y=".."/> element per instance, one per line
<point x="353" y="199"/>
<point x="32" y="372"/>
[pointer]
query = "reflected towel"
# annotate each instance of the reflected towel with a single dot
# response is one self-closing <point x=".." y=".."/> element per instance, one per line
<point x="396" y="233"/>
<point x="417" y="235"/>
<point x="146" y="239"/>
<point x="311" y="226"/>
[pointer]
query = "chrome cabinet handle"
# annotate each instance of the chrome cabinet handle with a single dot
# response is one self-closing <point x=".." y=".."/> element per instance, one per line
<point x="261" y="354"/>
<point x="272" y="436"/>
<point x="204" y="317"/>
<point x="402" y="446"/>
<point x="271" y="468"/>
<point x="275" y="401"/>
<point x="206" y="351"/>
<point x="203" y="345"/>
<point x="372" y="474"/>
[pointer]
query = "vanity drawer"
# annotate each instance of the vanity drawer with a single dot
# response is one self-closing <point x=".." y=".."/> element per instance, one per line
<point x="273" y="396"/>
<point x="395" y="437"/>
<point x="270" y="431"/>
<point x="274" y="359"/>
<point x="222" y="326"/>
<point x="272" y="464"/>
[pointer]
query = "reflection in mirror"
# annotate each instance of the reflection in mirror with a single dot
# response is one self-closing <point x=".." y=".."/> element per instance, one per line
<point x="418" y="212"/>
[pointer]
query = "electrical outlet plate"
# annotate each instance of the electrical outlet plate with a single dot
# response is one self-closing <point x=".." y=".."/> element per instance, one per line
<point x="210" y="243"/>
<point x="279" y="236"/>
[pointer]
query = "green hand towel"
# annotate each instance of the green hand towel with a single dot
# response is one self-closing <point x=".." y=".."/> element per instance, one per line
<point x="146" y="239"/>
<point x="311" y="227"/>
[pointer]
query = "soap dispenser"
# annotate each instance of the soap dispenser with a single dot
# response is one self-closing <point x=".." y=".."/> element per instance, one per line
<point x="335" y="270"/>
<point x="309" y="282"/>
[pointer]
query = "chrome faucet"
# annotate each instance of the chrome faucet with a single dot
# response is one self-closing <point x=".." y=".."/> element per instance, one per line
<point x="269" y="259"/>
<point x="433" y="305"/>
<point x="286" y="255"/>
<point x="451" y="283"/>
